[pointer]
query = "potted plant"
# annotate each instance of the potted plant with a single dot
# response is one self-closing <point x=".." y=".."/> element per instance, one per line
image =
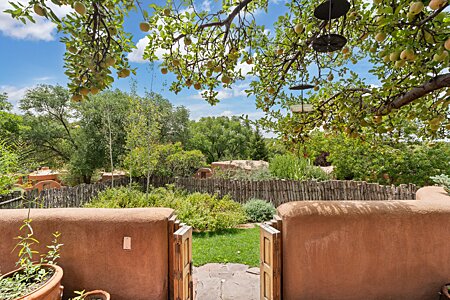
<point x="92" y="295"/>
<point x="445" y="292"/>
<point x="33" y="280"/>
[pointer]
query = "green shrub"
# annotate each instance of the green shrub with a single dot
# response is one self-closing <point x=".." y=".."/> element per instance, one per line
<point x="200" y="210"/>
<point x="289" y="166"/>
<point x="381" y="161"/>
<point x="259" y="210"/>
<point x="239" y="174"/>
<point x="121" y="197"/>
<point x="442" y="180"/>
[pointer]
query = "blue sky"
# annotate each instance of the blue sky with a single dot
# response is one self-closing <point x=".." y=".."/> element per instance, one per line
<point x="32" y="55"/>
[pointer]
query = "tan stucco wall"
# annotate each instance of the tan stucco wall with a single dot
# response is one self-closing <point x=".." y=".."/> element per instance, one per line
<point x="367" y="250"/>
<point x="92" y="256"/>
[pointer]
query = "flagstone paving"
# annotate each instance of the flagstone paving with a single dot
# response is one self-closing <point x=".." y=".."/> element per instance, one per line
<point x="226" y="282"/>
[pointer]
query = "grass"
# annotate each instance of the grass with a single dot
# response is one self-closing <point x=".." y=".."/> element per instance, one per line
<point x="226" y="246"/>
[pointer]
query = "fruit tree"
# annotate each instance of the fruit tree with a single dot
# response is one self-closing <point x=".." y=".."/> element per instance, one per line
<point x="404" y="43"/>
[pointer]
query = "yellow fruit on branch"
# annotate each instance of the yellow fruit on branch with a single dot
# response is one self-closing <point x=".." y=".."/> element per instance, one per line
<point x="84" y="91"/>
<point x="299" y="28"/>
<point x="94" y="91"/>
<point x="39" y="10"/>
<point x="124" y="73"/>
<point x="394" y="56"/>
<point x="436" y="4"/>
<point x="110" y="61"/>
<point x="144" y="26"/>
<point x="164" y="70"/>
<point x="377" y="119"/>
<point x="271" y="90"/>
<point x="379" y="37"/>
<point x="226" y="79"/>
<point x="76" y="98"/>
<point x="79" y="8"/>
<point x="187" y="41"/>
<point x="416" y="7"/>
<point x="447" y="44"/>
<point x="166" y="12"/>
<point x="197" y="86"/>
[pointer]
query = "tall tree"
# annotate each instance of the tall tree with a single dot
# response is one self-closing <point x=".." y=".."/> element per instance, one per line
<point x="220" y="138"/>
<point x="406" y="43"/>
<point x="48" y="112"/>
<point x="258" y="147"/>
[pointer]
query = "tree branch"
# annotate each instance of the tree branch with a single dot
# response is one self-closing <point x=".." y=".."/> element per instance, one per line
<point x="226" y="22"/>
<point x="436" y="83"/>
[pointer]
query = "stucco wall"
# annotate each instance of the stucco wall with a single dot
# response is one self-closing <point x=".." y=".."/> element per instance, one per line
<point x="92" y="256"/>
<point x="367" y="250"/>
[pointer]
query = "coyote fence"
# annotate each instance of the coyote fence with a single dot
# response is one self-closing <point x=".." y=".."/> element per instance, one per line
<point x="276" y="191"/>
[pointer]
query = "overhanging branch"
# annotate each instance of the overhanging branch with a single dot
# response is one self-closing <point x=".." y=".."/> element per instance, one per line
<point x="436" y="83"/>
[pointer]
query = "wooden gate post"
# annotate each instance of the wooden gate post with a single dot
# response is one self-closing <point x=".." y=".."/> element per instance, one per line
<point x="180" y="261"/>
<point x="270" y="259"/>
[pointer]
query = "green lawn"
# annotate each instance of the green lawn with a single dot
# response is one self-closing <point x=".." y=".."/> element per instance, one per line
<point x="232" y="245"/>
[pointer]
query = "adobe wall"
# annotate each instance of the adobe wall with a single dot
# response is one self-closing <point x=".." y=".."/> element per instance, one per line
<point x="367" y="250"/>
<point x="92" y="256"/>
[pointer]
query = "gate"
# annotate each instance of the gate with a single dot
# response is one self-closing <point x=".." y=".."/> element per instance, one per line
<point x="270" y="259"/>
<point x="180" y="260"/>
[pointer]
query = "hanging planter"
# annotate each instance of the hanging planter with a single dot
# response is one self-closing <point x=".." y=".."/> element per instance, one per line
<point x="302" y="108"/>
<point x="327" y="11"/>
<point x="338" y="9"/>
<point x="329" y="42"/>
<point x="301" y="87"/>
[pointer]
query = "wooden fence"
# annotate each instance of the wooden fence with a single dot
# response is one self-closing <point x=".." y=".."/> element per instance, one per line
<point x="275" y="191"/>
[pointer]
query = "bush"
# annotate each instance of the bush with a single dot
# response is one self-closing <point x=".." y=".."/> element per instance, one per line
<point x="239" y="174"/>
<point x="442" y="180"/>
<point x="259" y="210"/>
<point x="121" y="197"/>
<point x="380" y="161"/>
<point x="289" y="166"/>
<point x="200" y="210"/>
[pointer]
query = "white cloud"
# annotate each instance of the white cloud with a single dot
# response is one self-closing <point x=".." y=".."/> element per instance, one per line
<point x="43" y="78"/>
<point x="41" y="30"/>
<point x="206" y="5"/>
<point x="237" y="91"/>
<point x="137" y="54"/>
<point x="14" y="94"/>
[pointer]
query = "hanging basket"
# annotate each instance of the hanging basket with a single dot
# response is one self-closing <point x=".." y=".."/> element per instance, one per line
<point x="329" y="43"/>
<point x="302" y="108"/>
<point x="338" y="9"/>
<point x="301" y="87"/>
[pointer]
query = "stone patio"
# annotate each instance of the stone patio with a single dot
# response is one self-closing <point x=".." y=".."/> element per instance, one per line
<point x="226" y="282"/>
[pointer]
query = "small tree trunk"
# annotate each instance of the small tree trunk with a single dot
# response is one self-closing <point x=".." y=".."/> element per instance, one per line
<point x="110" y="149"/>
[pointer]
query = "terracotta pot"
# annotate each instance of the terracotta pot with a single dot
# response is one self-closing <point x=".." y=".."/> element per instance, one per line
<point x="51" y="290"/>
<point x="444" y="292"/>
<point x="97" y="295"/>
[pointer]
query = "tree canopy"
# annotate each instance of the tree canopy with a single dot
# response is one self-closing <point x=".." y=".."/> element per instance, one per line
<point x="405" y="44"/>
